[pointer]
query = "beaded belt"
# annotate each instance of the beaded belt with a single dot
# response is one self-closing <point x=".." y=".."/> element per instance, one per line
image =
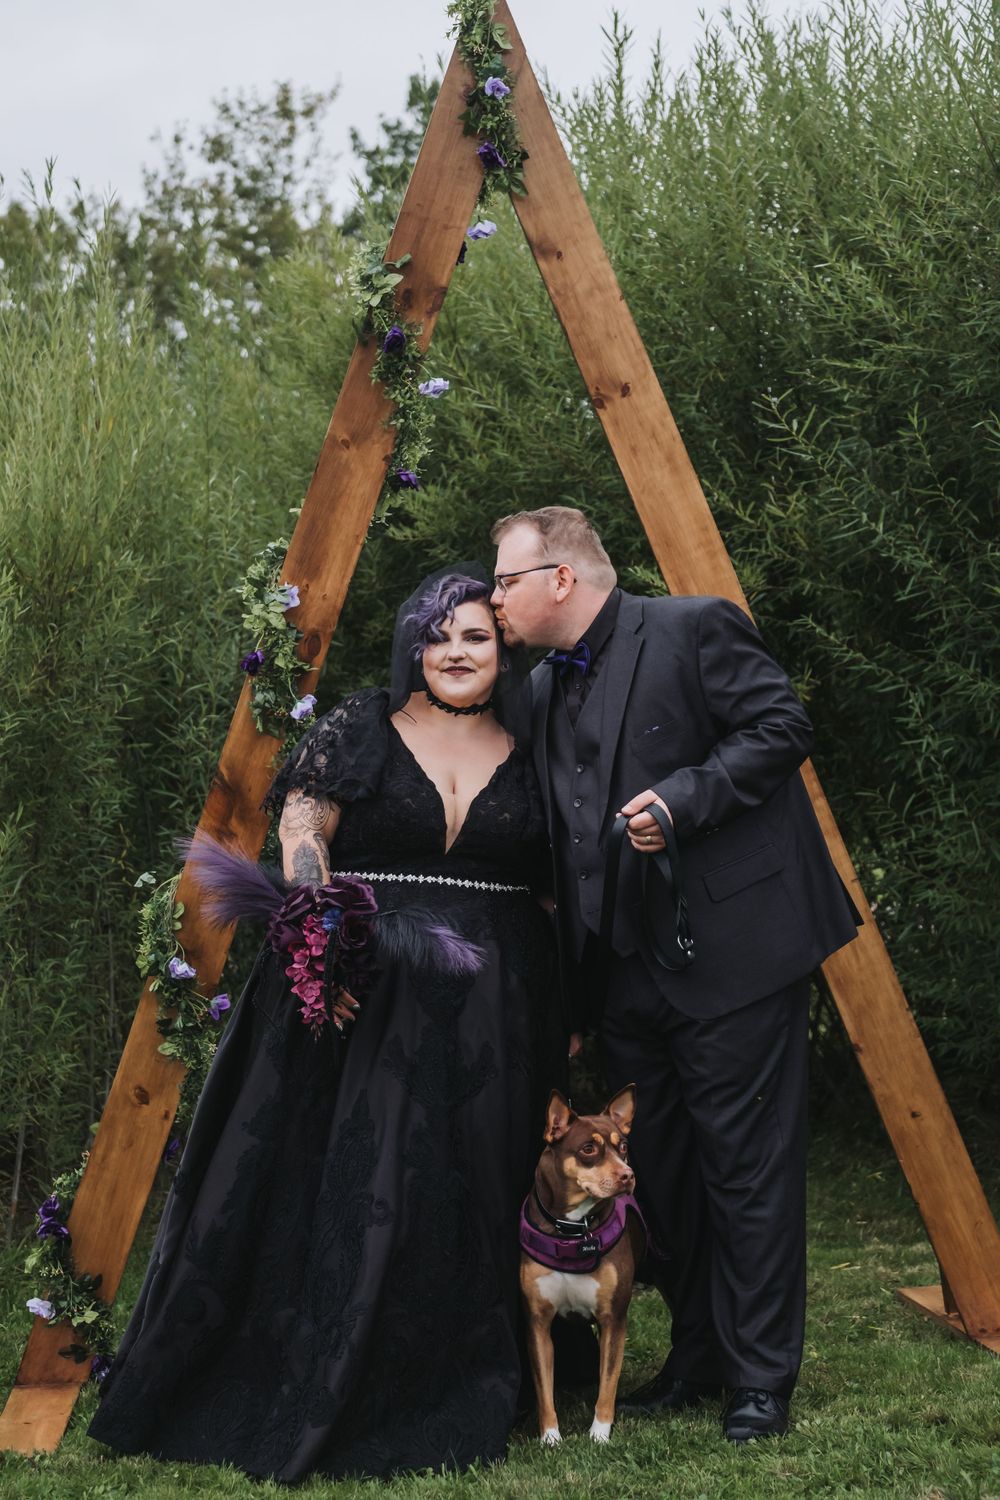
<point x="469" y="885"/>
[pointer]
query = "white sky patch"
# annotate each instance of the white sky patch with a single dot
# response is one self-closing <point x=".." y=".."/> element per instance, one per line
<point x="91" y="83"/>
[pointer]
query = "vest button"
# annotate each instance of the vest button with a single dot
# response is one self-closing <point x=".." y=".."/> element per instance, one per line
<point x="584" y="874"/>
<point x="577" y="837"/>
<point x="577" y="801"/>
<point x="579" y="769"/>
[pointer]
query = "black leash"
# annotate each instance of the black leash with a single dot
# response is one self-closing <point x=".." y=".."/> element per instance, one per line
<point x="676" y="952"/>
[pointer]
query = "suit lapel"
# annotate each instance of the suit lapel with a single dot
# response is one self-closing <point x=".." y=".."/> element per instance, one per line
<point x="623" y="653"/>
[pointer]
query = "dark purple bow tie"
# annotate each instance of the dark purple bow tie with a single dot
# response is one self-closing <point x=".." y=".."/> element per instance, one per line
<point x="578" y="657"/>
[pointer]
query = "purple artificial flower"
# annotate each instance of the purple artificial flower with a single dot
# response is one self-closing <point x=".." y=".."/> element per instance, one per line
<point x="50" y="1226"/>
<point x="40" y="1307"/>
<point x="288" y="595"/>
<point x="407" y="479"/>
<point x="179" y="968"/>
<point x="172" y="1149"/>
<point x="99" y="1367"/>
<point x="483" y="230"/>
<point x="394" y="340"/>
<point x="252" y="664"/>
<point x="332" y="919"/>
<point x="433" y="387"/>
<point x="490" y="156"/>
<point x="496" y="88"/>
<point x="217" y="1006"/>
<point x="304" y="707"/>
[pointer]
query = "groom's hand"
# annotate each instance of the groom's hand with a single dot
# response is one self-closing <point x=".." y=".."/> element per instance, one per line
<point x="643" y="829"/>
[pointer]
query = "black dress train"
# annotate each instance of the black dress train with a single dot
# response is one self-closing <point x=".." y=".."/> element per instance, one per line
<point x="333" y="1286"/>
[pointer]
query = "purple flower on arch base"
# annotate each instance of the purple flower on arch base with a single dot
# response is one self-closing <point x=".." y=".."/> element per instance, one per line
<point x="495" y="88"/>
<point x="50" y="1225"/>
<point x="179" y="968"/>
<point x="394" y="341"/>
<point x="252" y="663"/>
<point x="407" y="479"/>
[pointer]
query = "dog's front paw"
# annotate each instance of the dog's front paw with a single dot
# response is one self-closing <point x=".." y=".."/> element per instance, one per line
<point x="550" y="1437"/>
<point x="600" y="1431"/>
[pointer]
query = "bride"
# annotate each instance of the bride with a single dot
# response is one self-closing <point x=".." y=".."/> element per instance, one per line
<point x="333" y="1287"/>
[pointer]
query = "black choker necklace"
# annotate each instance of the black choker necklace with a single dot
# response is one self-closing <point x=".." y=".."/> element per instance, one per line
<point x="449" y="708"/>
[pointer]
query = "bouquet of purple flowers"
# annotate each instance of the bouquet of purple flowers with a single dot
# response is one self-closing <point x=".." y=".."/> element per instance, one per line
<point x="331" y="935"/>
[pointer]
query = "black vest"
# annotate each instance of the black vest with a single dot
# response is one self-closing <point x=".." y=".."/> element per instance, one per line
<point x="574" y="761"/>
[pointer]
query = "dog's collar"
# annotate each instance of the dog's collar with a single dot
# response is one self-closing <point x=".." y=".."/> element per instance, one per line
<point x="576" y="1246"/>
<point x="574" y="1228"/>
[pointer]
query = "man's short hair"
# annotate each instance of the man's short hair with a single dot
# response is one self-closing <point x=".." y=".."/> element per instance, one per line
<point x="564" y="536"/>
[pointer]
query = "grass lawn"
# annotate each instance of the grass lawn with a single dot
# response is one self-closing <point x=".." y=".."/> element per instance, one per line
<point x="887" y="1404"/>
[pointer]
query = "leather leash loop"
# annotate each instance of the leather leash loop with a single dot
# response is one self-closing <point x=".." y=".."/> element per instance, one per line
<point x="677" y="952"/>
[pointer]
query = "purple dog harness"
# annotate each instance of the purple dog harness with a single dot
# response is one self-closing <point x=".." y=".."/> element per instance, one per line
<point x="575" y="1246"/>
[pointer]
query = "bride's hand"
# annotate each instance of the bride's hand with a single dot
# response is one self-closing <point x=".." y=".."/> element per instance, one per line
<point x="345" y="1008"/>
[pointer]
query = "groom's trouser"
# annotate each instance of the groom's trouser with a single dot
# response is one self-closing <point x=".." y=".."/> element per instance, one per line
<point x="719" y="1150"/>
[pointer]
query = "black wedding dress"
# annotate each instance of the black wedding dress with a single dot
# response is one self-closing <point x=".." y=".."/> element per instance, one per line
<point x="333" y="1287"/>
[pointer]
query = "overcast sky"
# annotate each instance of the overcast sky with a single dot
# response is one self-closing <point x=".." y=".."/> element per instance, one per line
<point x="90" y="81"/>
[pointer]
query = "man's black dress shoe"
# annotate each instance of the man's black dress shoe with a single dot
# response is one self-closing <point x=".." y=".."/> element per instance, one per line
<point x="753" y="1414"/>
<point x="665" y="1393"/>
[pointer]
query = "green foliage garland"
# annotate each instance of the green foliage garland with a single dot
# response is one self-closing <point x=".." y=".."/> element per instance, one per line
<point x="183" y="1019"/>
<point x="488" y="113"/>
<point x="184" y="1015"/>
<point x="274" y="664"/>
<point x="70" y="1296"/>
<point x="398" y="367"/>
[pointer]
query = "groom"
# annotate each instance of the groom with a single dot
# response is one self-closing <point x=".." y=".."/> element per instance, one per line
<point x="677" y="702"/>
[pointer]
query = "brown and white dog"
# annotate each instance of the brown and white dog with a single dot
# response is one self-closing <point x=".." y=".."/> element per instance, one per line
<point x="582" y="1237"/>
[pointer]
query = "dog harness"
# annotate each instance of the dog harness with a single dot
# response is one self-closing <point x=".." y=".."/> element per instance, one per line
<point x="575" y="1246"/>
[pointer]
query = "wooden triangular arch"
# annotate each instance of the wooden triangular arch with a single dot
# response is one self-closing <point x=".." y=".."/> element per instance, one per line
<point x="324" y="550"/>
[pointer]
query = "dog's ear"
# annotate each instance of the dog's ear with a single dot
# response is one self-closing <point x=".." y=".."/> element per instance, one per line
<point x="558" y="1117"/>
<point x="622" y="1108"/>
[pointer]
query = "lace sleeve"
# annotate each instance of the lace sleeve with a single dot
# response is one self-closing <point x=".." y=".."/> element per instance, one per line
<point x="341" y="756"/>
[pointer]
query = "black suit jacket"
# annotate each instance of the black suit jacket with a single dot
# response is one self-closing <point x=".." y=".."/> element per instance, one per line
<point x="695" y="707"/>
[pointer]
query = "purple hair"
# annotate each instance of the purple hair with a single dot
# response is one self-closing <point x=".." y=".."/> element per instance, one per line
<point x="439" y="604"/>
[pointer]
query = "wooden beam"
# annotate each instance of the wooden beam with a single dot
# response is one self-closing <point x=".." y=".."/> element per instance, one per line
<point x="658" y="473"/>
<point x="930" y="1301"/>
<point x="321" y="559"/>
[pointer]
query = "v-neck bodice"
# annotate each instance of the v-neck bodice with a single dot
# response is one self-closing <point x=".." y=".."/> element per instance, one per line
<point x="403" y="825"/>
<point x="484" y="790"/>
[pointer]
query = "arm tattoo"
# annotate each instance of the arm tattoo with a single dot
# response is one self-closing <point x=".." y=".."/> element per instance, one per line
<point x="305" y="812"/>
<point x="309" y="861"/>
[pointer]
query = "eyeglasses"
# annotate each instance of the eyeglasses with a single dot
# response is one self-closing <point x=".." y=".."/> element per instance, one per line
<point x="500" y="579"/>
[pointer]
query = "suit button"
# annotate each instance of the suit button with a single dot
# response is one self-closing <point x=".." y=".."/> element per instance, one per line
<point x="579" y="769"/>
<point x="577" y="837"/>
<point x="577" y="801"/>
<point x="584" y="874"/>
